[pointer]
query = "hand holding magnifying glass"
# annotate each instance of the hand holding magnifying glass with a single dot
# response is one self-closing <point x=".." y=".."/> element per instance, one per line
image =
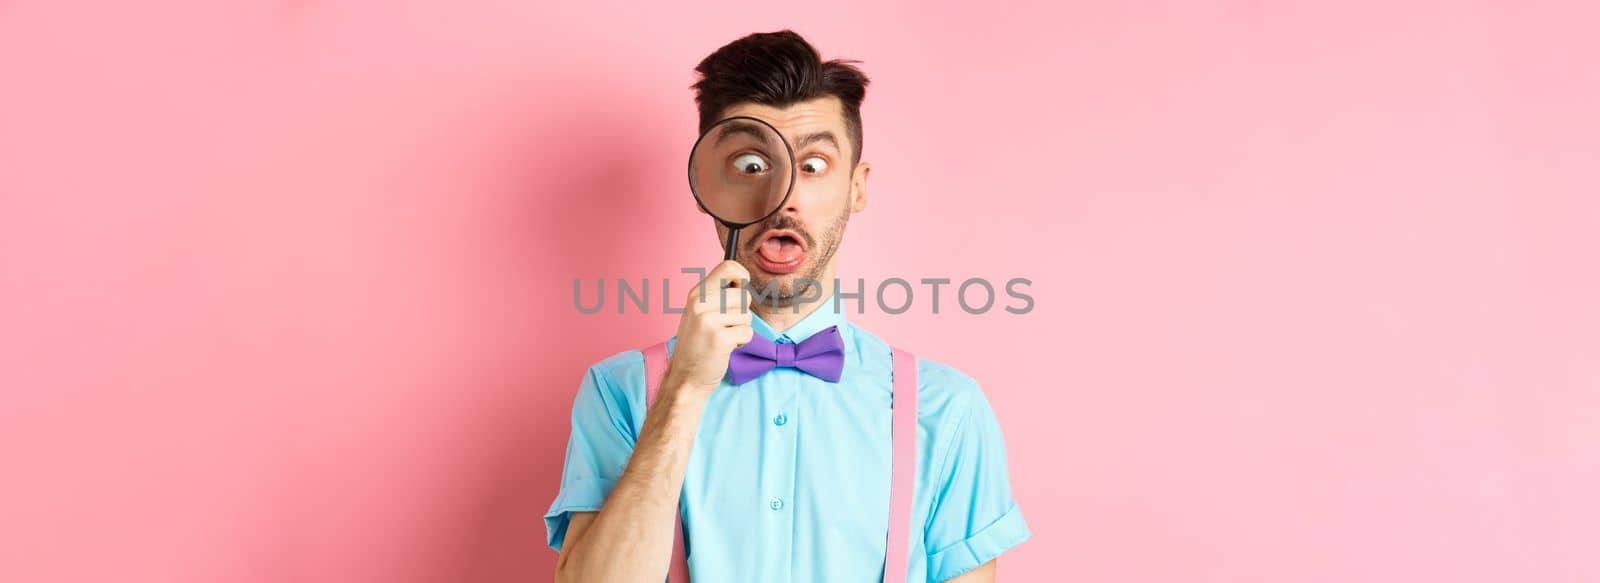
<point x="740" y="171"/>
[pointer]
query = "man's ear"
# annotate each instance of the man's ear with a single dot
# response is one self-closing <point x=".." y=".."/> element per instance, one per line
<point x="858" y="187"/>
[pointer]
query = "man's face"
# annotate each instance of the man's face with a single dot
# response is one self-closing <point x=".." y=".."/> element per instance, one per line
<point x="799" y="241"/>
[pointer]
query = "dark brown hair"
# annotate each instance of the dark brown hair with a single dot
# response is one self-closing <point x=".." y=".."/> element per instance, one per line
<point x="778" y="69"/>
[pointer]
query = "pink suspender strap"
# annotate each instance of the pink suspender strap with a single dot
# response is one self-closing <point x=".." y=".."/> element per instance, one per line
<point x="655" y="366"/>
<point x="904" y="474"/>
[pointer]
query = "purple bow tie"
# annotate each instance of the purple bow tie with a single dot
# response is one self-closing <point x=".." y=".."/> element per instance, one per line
<point x="821" y="356"/>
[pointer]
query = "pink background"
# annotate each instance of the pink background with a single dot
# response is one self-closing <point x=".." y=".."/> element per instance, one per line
<point x="287" y="285"/>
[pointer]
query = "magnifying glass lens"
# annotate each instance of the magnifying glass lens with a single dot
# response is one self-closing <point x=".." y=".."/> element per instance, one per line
<point x="741" y="170"/>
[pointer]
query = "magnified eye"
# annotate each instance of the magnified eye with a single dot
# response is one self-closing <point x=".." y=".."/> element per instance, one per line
<point x="814" y="165"/>
<point x="750" y="164"/>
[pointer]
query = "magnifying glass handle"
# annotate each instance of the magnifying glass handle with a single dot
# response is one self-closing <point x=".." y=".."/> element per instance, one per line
<point x="733" y="244"/>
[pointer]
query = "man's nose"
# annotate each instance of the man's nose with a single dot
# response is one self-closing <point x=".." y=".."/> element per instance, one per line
<point x="788" y="214"/>
<point x="792" y="204"/>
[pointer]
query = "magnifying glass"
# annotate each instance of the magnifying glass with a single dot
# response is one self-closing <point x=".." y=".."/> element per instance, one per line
<point x="741" y="171"/>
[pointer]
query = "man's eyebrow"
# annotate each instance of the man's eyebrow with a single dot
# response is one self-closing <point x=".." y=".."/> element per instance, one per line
<point x="754" y="131"/>
<point x="741" y="127"/>
<point x="813" y="137"/>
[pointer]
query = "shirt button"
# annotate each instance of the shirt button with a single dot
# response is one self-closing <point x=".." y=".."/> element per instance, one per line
<point x="780" y="420"/>
<point x="776" y="503"/>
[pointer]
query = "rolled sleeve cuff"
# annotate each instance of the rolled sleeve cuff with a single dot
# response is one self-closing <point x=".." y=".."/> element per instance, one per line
<point x="579" y="495"/>
<point x="1000" y="536"/>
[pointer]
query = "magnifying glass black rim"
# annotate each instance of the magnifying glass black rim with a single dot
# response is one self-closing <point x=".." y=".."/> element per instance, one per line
<point x="793" y="168"/>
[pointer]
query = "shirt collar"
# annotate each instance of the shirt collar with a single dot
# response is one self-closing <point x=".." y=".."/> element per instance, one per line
<point x="821" y="316"/>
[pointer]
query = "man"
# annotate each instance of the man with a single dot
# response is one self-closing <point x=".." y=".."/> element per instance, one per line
<point x="783" y="477"/>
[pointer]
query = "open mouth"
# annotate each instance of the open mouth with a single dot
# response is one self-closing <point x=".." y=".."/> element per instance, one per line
<point x="780" y="251"/>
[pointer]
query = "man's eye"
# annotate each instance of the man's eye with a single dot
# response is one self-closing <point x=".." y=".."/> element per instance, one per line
<point x="750" y="164"/>
<point x="814" y="165"/>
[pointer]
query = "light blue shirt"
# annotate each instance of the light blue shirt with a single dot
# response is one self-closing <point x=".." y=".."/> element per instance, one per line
<point x="788" y="480"/>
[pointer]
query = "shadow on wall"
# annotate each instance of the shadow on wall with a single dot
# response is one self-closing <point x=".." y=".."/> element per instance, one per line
<point x="576" y="193"/>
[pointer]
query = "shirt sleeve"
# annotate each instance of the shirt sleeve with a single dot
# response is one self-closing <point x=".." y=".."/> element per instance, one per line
<point x="597" y="452"/>
<point x="974" y="518"/>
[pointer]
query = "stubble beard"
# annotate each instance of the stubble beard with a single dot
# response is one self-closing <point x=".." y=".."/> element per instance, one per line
<point x="789" y="288"/>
